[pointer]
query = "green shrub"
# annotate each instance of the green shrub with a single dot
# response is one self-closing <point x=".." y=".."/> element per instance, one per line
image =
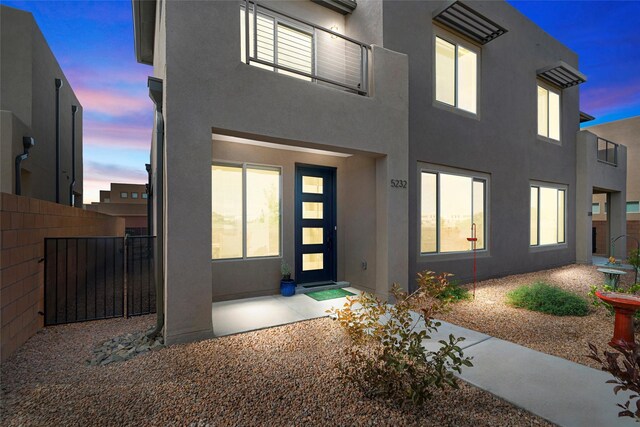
<point x="548" y="299"/>
<point x="386" y="357"/>
<point x="455" y="292"/>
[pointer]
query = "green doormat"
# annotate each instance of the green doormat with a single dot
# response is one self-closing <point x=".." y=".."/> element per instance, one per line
<point x="328" y="294"/>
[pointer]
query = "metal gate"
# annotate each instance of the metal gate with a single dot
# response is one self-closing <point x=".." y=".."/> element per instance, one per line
<point x="90" y="278"/>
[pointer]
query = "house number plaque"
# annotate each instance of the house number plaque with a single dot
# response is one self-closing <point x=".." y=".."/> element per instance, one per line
<point x="398" y="183"/>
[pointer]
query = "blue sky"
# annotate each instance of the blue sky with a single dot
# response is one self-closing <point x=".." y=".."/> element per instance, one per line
<point x="93" y="41"/>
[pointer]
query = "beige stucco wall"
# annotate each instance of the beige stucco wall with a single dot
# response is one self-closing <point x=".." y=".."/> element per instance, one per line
<point x="627" y="133"/>
<point x="207" y="89"/>
<point x="595" y="176"/>
<point x="27" y="100"/>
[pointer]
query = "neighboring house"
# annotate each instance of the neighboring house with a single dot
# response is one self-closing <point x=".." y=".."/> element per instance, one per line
<point x="128" y="201"/>
<point x="359" y="143"/>
<point x="626" y="132"/>
<point x="37" y="105"/>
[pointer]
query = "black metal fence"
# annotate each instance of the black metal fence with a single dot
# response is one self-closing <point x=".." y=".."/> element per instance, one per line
<point x="141" y="290"/>
<point x="85" y="278"/>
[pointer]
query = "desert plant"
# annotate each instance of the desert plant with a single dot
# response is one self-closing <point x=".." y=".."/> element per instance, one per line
<point x="634" y="259"/>
<point x="626" y="375"/>
<point x="386" y="357"/>
<point x="549" y="299"/>
<point x="455" y="292"/>
<point x="285" y="270"/>
<point x="597" y="302"/>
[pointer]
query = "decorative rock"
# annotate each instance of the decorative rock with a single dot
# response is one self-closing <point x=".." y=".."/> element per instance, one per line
<point x="124" y="347"/>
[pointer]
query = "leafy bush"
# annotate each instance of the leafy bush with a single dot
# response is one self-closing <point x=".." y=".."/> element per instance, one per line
<point x="597" y="302"/>
<point x="548" y="299"/>
<point x="386" y="357"/>
<point x="627" y="375"/>
<point x="455" y="292"/>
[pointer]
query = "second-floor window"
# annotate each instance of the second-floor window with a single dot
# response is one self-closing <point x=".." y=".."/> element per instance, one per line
<point x="279" y="42"/>
<point x="124" y="195"/>
<point x="134" y="195"/>
<point x="456" y="74"/>
<point x="548" y="113"/>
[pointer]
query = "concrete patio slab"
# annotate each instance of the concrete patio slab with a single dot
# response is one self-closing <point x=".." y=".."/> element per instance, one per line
<point x="236" y="316"/>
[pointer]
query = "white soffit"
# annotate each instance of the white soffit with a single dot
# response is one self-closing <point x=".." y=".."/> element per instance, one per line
<point x="226" y="138"/>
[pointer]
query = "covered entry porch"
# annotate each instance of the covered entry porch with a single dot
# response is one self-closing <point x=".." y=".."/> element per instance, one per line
<point x="321" y="210"/>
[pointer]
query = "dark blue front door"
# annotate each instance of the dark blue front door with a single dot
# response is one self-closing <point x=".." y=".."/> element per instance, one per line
<point x="315" y="224"/>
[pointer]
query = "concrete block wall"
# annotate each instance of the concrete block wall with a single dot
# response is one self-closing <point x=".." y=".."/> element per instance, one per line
<point x="25" y="222"/>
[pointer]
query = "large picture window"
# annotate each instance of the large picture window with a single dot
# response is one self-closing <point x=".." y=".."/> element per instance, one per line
<point x="245" y="205"/>
<point x="456" y="71"/>
<point x="548" y="113"/>
<point x="450" y="204"/>
<point x="548" y="215"/>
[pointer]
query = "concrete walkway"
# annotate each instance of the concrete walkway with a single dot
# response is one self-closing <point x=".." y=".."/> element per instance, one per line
<point x="560" y="391"/>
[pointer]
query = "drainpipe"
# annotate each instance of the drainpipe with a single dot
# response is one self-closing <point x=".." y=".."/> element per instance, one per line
<point x="58" y="86"/>
<point x="155" y="93"/>
<point x="74" y="109"/>
<point x="149" y="200"/>
<point x="27" y="143"/>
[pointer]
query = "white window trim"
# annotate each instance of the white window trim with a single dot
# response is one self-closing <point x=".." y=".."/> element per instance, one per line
<point x="458" y="41"/>
<point x="560" y="245"/>
<point x="444" y="256"/>
<point x="244" y="167"/>
<point x="558" y="92"/>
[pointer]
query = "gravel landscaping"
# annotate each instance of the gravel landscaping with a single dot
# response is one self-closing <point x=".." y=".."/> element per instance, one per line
<point x="565" y="336"/>
<point x="278" y="376"/>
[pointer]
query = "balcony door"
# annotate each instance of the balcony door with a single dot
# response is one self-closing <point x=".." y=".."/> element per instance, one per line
<point x="315" y="224"/>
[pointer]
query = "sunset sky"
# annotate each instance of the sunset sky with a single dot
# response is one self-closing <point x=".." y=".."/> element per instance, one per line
<point x="93" y="42"/>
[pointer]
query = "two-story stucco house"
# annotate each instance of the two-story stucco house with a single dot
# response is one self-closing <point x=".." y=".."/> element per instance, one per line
<point x="359" y="142"/>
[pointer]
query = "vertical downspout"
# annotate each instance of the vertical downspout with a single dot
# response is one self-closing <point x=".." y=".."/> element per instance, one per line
<point x="155" y="93"/>
<point x="27" y="143"/>
<point x="58" y="86"/>
<point x="149" y="200"/>
<point x="74" y="108"/>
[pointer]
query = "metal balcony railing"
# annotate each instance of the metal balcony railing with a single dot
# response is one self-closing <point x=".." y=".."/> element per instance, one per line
<point x="285" y="44"/>
<point x="607" y="152"/>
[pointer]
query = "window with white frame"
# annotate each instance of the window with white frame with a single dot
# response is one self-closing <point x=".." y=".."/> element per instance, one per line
<point x="450" y="203"/>
<point x="595" y="208"/>
<point x="456" y="74"/>
<point x="633" y="207"/>
<point x="548" y="112"/>
<point x="246" y="211"/>
<point x="548" y="215"/>
<point x="279" y="42"/>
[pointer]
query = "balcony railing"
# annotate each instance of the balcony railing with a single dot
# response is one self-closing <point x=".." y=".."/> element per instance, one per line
<point x="279" y="42"/>
<point x="607" y="152"/>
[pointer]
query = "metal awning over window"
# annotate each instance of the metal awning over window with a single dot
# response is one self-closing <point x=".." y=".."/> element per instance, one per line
<point x="584" y="117"/>
<point x="562" y="75"/>
<point x="462" y="18"/>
